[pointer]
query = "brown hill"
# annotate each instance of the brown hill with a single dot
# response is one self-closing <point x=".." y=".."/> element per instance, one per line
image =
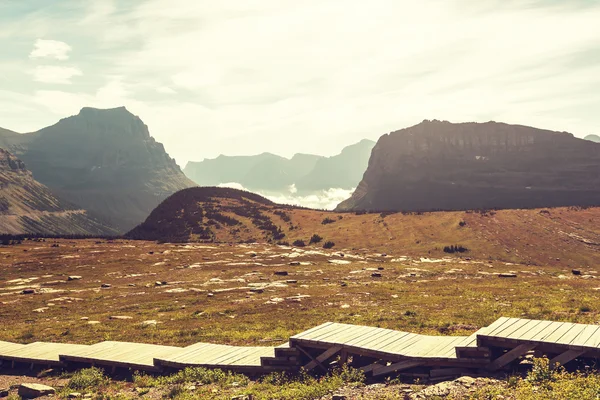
<point x="565" y="236"/>
<point x="102" y="160"/>
<point x="443" y="166"/>
<point x="27" y="206"/>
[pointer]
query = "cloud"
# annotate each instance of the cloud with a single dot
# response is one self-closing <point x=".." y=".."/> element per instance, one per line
<point x="55" y="74"/>
<point x="322" y="200"/>
<point x="165" y="90"/>
<point x="285" y="76"/>
<point x="50" y="49"/>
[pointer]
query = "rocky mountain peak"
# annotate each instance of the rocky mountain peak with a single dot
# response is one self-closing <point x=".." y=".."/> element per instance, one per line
<point x="441" y="165"/>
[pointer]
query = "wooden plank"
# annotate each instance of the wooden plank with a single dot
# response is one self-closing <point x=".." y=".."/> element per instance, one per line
<point x="531" y="325"/>
<point x="399" y="366"/>
<point x="550" y="329"/>
<point x="510" y="356"/>
<point x="346" y="334"/>
<point x="560" y="332"/>
<point x="370" y="337"/>
<point x="444" y="372"/>
<point x="396" y="337"/>
<point x="585" y="335"/>
<point x="501" y="325"/>
<point x="509" y="329"/>
<point x="327" y="354"/>
<point x="311" y="331"/>
<point x="572" y="334"/>
<point x="543" y="326"/>
<point x="565" y="357"/>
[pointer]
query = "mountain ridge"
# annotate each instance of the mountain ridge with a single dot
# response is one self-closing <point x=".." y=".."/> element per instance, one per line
<point x="28" y="207"/>
<point x="438" y="165"/>
<point x="267" y="172"/>
<point x="105" y="161"/>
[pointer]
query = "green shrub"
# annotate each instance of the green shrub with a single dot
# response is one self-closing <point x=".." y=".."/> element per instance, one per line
<point x="315" y="239"/>
<point x="328" y="244"/>
<point x="87" y="378"/>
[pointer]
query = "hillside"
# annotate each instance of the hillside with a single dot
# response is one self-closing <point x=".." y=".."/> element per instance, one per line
<point x="569" y="236"/>
<point x="271" y="173"/>
<point x="102" y="160"/>
<point x="438" y="165"/>
<point x="593" y="138"/>
<point x="27" y="206"/>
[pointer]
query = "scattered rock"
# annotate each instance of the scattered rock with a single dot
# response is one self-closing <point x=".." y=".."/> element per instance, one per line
<point x="74" y="395"/>
<point x="257" y="290"/>
<point x="281" y="273"/>
<point x="380" y="268"/>
<point x="338" y="397"/>
<point x="105" y="285"/>
<point x="85" y="318"/>
<point x="41" y="309"/>
<point x="28" y="291"/>
<point x="93" y="322"/>
<point x="295" y="263"/>
<point x="376" y="275"/>
<point x="507" y="275"/>
<point x="150" y="322"/>
<point x="576" y="272"/>
<point x="291" y="281"/>
<point x="34" y="390"/>
<point x="121" y="317"/>
<point x="74" y="278"/>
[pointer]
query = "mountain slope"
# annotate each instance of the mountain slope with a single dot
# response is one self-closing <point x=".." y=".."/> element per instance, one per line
<point x="340" y="171"/>
<point x="27" y="206"/>
<point x="104" y="161"/>
<point x="443" y="166"/>
<point x="593" y="138"/>
<point x="271" y="173"/>
<point x="565" y="236"/>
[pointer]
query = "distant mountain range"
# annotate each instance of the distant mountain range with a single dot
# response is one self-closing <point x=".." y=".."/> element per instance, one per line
<point x="105" y="161"/>
<point x="437" y="165"/>
<point x="27" y="206"/>
<point x="593" y="138"/>
<point x="271" y="173"/>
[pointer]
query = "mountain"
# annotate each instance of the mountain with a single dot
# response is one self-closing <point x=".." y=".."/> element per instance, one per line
<point x="271" y="173"/>
<point x="265" y="172"/>
<point x="439" y="165"/>
<point x="27" y="206"/>
<point x="567" y="236"/>
<point x="102" y="160"/>
<point x="340" y="171"/>
<point x="593" y="138"/>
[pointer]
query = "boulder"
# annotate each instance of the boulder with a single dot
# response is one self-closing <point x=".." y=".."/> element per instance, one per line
<point x="74" y="278"/>
<point x="507" y="275"/>
<point x="34" y="390"/>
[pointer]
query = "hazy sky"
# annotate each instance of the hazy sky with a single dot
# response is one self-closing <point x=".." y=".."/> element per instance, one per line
<point x="287" y="76"/>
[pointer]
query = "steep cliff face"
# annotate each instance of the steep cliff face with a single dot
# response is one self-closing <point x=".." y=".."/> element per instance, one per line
<point x="438" y="165"/>
<point x="27" y="206"/>
<point x="104" y="161"/>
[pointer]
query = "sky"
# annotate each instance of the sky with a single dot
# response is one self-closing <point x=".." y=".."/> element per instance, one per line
<point x="288" y="76"/>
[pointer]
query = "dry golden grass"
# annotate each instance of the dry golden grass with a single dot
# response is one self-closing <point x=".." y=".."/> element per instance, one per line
<point x="212" y="292"/>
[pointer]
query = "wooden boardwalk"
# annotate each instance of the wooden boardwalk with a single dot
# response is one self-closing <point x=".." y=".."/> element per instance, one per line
<point x="210" y="355"/>
<point x="378" y="352"/>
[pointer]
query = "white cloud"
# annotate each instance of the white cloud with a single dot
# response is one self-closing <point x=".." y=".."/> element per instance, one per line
<point x="323" y="199"/>
<point x="55" y="74"/>
<point x="56" y="49"/>
<point x="165" y="90"/>
<point x="285" y="76"/>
